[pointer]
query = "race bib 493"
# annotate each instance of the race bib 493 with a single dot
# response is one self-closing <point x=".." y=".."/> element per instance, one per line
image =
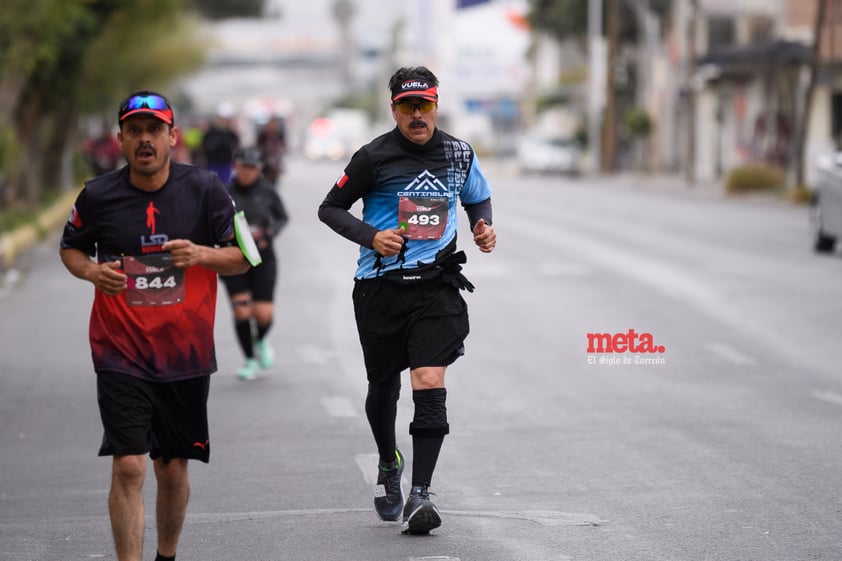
<point x="423" y="218"/>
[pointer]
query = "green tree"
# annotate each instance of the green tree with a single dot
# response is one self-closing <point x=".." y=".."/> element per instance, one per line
<point x="221" y="9"/>
<point x="63" y="58"/>
<point x="568" y="19"/>
<point x="38" y="38"/>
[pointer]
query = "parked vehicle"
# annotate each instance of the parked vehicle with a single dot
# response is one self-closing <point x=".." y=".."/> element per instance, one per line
<point x="337" y="135"/>
<point x="549" y="154"/>
<point x="826" y="205"/>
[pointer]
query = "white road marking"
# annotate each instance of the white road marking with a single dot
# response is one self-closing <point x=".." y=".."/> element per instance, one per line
<point x="311" y="354"/>
<point x="731" y="354"/>
<point x="828" y="396"/>
<point x="338" y="407"/>
<point x="368" y="466"/>
<point x="555" y="269"/>
<point x="542" y="517"/>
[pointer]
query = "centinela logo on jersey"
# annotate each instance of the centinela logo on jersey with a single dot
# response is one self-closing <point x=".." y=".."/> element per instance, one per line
<point x="425" y="183"/>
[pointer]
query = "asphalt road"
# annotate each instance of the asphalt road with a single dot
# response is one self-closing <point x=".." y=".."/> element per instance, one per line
<point x="726" y="445"/>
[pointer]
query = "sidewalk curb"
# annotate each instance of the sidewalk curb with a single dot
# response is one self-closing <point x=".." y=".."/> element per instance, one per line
<point x="14" y="242"/>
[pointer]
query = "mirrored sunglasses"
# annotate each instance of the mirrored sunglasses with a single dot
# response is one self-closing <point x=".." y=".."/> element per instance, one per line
<point x="146" y="102"/>
<point x="408" y="107"/>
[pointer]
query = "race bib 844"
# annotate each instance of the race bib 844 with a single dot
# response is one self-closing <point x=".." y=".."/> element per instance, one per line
<point x="153" y="280"/>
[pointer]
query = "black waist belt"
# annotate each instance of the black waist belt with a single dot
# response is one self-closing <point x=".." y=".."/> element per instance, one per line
<point x="447" y="272"/>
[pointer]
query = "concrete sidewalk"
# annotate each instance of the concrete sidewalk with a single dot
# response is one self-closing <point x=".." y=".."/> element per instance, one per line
<point x="13" y="244"/>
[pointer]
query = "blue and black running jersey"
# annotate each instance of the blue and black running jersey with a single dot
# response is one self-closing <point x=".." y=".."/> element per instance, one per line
<point x="417" y="187"/>
<point x="161" y="327"/>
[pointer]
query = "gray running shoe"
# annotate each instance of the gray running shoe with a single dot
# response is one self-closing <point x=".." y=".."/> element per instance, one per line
<point x="388" y="493"/>
<point x="420" y="515"/>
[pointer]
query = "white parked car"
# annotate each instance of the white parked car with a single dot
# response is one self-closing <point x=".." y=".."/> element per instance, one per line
<point x="826" y="205"/>
<point x="549" y="154"/>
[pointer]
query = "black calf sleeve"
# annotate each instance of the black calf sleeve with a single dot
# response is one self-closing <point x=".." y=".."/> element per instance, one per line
<point x="381" y="409"/>
<point x="428" y="428"/>
<point x="244" y="336"/>
<point x="262" y="330"/>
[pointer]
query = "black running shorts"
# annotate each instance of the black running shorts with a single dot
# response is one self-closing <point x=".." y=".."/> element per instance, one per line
<point x="258" y="281"/>
<point x="408" y="326"/>
<point x="166" y="420"/>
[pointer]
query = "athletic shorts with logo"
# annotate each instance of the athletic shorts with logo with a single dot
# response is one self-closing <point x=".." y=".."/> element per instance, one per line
<point x="164" y="419"/>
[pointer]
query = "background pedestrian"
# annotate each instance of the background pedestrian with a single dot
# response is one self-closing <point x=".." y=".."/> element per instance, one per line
<point x="252" y="293"/>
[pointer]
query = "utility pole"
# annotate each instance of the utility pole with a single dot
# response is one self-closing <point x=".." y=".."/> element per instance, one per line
<point x="343" y="11"/>
<point x="691" y="92"/>
<point x="803" y="123"/>
<point x="609" y="130"/>
<point x="596" y="82"/>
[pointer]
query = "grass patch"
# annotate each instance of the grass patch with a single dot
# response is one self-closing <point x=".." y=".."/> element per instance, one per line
<point x="755" y="177"/>
<point x="16" y="215"/>
<point x="11" y="218"/>
<point x="800" y="195"/>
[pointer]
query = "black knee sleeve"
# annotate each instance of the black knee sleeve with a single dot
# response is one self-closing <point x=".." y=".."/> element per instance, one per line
<point x="430" y="419"/>
<point x="387" y="389"/>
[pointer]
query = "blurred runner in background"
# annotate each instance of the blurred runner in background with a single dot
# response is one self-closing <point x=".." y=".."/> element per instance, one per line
<point x="252" y="293"/>
<point x="272" y="141"/>
<point x="219" y="143"/>
<point x="103" y="152"/>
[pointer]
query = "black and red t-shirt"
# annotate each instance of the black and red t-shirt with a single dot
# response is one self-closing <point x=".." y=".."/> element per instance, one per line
<point x="161" y="327"/>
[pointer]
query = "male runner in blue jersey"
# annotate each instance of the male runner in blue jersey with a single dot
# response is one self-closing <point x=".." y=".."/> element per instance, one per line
<point x="408" y="308"/>
<point x="160" y="232"/>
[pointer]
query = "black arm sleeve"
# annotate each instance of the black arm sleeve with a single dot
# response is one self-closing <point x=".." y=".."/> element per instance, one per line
<point x="279" y="213"/>
<point x="477" y="211"/>
<point x="346" y="224"/>
<point x="352" y="186"/>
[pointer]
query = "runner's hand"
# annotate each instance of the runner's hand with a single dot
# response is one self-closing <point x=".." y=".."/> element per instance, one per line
<point x="108" y="278"/>
<point x="484" y="236"/>
<point x="184" y="253"/>
<point x="388" y="243"/>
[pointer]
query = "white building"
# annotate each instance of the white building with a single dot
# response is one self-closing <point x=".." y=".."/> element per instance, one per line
<point x="296" y="62"/>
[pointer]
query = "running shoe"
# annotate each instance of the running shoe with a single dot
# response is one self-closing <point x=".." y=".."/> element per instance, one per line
<point x="388" y="493"/>
<point x="249" y="371"/>
<point x="420" y="515"/>
<point x="265" y="354"/>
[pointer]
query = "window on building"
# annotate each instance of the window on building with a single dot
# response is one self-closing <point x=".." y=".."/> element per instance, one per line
<point x="761" y="29"/>
<point x="722" y="32"/>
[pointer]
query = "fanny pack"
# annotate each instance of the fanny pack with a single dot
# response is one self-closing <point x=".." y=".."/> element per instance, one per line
<point x="447" y="272"/>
